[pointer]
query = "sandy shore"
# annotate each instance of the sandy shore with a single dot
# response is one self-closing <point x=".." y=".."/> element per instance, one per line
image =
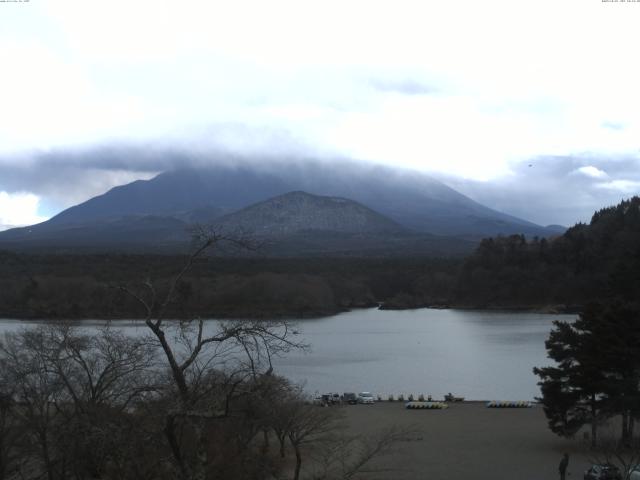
<point x="469" y="441"/>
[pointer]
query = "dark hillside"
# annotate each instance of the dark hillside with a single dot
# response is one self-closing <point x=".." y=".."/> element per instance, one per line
<point x="601" y="259"/>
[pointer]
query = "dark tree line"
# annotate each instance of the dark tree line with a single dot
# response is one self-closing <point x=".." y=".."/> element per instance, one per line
<point x="81" y="286"/>
<point x="598" y="260"/>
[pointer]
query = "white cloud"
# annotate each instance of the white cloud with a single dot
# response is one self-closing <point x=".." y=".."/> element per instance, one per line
<point x="623" y="186"/>
<point x="499" y="88"/>
<point x="19" y="209"/>
<point x="47" y="99"/>
<point x="591" y="171"/>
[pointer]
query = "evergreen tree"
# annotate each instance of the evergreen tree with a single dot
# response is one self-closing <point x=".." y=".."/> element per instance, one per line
<point x="573" y="391"/>
<point x="597" y="373"/>
<point x="617" y="327"/>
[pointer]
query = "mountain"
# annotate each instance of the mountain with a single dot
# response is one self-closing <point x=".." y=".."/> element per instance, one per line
<point x="301" y="224"/>
<point x="555" y="229"/>
<point x="293" y="224"/>
<point x="411" y="199"/>
<point x="297" y="212"/>
<point x="128" y="233"/>
<point x="398" y="211"/>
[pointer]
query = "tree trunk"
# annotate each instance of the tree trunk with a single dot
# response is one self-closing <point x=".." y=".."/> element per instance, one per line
<point x="170" y="434"/>
<point x="176" y="371"/>
<point x="2" y="464"/>
<point x="594" y="422"/>
<point x="44" y="443"/>
<point x="625" y="427"/>
<point x="296" y="475"/>
<point x="265" y="444"/>
<point x="202" y="457"/>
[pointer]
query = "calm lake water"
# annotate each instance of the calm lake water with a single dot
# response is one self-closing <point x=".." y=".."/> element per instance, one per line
<point x="476" y="354"/>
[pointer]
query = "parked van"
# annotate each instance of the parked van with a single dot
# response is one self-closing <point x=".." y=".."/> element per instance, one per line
<point x="350" y="398"/>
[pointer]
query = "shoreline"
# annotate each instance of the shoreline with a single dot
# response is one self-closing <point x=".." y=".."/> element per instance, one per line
<point x="543" y="310"/>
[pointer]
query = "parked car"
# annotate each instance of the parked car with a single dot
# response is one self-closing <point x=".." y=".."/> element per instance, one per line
<point x="634" y="473"/>
<point x="605" y="471"/>
<point x="365" y="398"/>
<point x="350" y="398"/>
<point x="330" y="399"/>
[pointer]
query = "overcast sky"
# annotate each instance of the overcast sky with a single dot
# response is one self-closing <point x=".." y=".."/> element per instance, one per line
<point x="531" y="107"/>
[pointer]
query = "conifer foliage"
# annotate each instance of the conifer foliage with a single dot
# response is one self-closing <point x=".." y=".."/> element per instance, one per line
<point x="597" y="372"/>
<point x="598" y="260"/>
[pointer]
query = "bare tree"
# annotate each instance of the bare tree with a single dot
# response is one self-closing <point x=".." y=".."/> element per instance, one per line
<point x="333" y="455"/>
<point x="38" y="392"/>
<point x="73" y="391"/>
<point x="109" y="368"/>
<point x="10" y="431"/>
<point x="308" y="424"/>
<point x="281" y="415"/>
<point x="103" y="376"/>
<point x="349" y="457"/>
<point x="242" y="349"/>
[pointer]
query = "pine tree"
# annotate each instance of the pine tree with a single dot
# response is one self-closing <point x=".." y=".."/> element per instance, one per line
<point x="573" y="391"/>
<point x="598" y="370"/>
<point x="617" y="327"/>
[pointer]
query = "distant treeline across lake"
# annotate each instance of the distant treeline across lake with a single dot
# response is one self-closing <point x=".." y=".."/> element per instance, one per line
<point x="88" y="286"/>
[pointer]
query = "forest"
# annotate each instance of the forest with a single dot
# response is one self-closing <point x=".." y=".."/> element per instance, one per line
<point x="88" y="286"/>
<point x="596" y="260"/>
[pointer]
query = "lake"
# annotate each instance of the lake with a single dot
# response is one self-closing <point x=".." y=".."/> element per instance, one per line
<point x="481" y="355"/>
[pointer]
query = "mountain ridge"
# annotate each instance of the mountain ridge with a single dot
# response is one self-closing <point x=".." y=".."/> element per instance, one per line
<point x="410" y="198"/>
<point x="401" y="203"/>
<point x="293" y="224"/>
